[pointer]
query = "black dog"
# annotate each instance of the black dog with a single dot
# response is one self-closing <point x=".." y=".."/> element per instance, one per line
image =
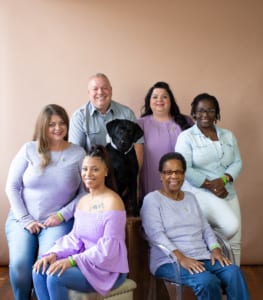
<point x="123" y="134"/>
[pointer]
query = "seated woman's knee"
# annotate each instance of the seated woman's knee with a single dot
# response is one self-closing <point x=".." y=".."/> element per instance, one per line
<point x="207" y="281"/>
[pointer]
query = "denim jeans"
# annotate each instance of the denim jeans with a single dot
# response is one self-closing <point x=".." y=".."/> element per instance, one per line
<point x="208" y="285"/>
<point x="24" y="248"/>
<point x="54" y="287"/>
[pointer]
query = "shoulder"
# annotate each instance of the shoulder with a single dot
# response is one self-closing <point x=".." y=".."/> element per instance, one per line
<point x="121" y="110"/>
<point x="81" y="111"/>
<point x="190" y="132"/>
<point x="152" y="198"/>
<point x="74" y="153"/>
<point x="113" y="201"/>
<point x="77" y="149"/>
<point x="224" y="131"/>
<point x="29" y="147"/>
<point x="143" y="121"/>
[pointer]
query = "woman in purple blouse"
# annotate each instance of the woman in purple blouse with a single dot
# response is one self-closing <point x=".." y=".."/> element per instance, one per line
<point x="93" y="256"/>
<point x="162" y="122"/>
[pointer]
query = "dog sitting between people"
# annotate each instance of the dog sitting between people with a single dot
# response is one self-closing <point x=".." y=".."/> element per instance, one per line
<point x="122" y="135"/>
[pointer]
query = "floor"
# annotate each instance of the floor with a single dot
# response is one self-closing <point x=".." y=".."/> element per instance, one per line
<point x="252" y="273"/>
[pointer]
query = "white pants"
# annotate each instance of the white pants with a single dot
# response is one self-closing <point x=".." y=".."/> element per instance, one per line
<point x="221" y="214"/>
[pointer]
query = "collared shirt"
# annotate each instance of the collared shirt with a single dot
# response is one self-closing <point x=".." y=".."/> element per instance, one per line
<point x="207" y="159"/>
<point x="88" y="125"/>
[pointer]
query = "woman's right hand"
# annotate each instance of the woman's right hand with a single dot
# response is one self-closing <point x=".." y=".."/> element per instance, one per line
<point x="190" y="264"/>
<point x="35" y="227"/>
<point x="44" y="262"/>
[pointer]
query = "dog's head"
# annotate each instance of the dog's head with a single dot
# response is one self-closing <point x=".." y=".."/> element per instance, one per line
<point x="123" y="133"/>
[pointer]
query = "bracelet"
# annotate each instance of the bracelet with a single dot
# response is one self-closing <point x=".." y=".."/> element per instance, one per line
<point x="61" y="218"/>
<point x="214" y="246"/>
<point x="224" y="179"/>
<point x="72" y="261"/>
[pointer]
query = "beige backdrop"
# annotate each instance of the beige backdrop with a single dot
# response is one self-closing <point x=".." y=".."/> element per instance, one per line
<point x="49" y="48"/>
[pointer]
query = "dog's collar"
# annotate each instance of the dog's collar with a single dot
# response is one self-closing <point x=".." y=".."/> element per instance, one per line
<point x="128" y="150"/>
<point x="109" y="140"/>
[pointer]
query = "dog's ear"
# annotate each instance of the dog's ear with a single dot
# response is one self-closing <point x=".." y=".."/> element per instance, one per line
<point x="111" y="126"/>
<point x="138" y="132"/>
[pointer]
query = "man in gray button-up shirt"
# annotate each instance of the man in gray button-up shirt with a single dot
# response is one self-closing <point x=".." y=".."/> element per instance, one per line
<point x="88" y="124"/>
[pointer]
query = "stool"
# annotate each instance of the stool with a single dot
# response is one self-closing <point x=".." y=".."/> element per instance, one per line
<point x="123" y="292"/>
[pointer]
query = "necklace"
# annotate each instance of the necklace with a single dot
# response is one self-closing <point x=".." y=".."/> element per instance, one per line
<point x="57" y="153"/>
<point x="210" y="134"/>
<point x="178" y="197"/>
<point x="59" y="157"/>
<point x="173" y="197"/>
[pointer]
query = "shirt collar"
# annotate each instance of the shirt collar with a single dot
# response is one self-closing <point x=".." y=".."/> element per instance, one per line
<point x="197" y="131"/>
<point x="93" y="109"/>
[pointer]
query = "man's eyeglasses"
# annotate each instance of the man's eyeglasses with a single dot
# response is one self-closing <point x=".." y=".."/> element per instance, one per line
<point x="171" y="172"/>
<point x="210" y="111"/>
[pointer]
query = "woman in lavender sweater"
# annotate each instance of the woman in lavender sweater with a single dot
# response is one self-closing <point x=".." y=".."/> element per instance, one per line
<point x="172" y="218"/>
<point x="43" y="187"/>
<point x="93" y="256"/>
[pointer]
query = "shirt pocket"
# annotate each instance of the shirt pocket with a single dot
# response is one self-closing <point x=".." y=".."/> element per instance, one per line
<point x="228" y="155"/>
<point x="202" y="155"/>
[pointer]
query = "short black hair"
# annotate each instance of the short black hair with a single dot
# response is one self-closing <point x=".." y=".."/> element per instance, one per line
<point x="171" y="156"/>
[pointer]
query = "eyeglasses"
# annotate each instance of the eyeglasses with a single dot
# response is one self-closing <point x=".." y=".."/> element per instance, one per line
<point x="171" y="172"/>
<point x="209" y="111"/>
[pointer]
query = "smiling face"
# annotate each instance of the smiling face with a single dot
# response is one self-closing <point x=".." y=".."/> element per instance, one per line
<point x="100" y="93"/>
<point x="160" y="102"/>
<point x="93" y="172"/>
<point x="205" y="114"/>
<point x="56" y="129"/>
<point x="172" y="176"/>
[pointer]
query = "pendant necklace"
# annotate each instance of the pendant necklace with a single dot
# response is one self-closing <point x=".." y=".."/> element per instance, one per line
<point x="59" y="158"/>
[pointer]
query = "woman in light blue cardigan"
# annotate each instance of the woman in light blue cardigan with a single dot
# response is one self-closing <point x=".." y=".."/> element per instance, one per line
<point x="213" y="164"/>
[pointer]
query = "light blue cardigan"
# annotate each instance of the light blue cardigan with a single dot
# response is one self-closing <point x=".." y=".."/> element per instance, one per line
<point x="205" y="160"/>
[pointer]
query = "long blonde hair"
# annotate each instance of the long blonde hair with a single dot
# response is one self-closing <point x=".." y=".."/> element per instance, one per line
<point x="40" y="133"/>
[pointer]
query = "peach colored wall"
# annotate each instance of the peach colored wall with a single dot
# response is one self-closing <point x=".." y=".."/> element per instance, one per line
<point x="49" y="48"/>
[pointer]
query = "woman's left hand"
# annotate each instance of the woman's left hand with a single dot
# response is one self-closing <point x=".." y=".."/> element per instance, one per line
<point x="217" y="187"/>
<point x="216" y="254"/>
<point x="59" y="266"/>
<point x="44" y="262"/>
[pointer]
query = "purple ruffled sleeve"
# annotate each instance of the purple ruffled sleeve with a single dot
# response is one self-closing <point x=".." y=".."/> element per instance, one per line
<point x="97" y="244"/>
